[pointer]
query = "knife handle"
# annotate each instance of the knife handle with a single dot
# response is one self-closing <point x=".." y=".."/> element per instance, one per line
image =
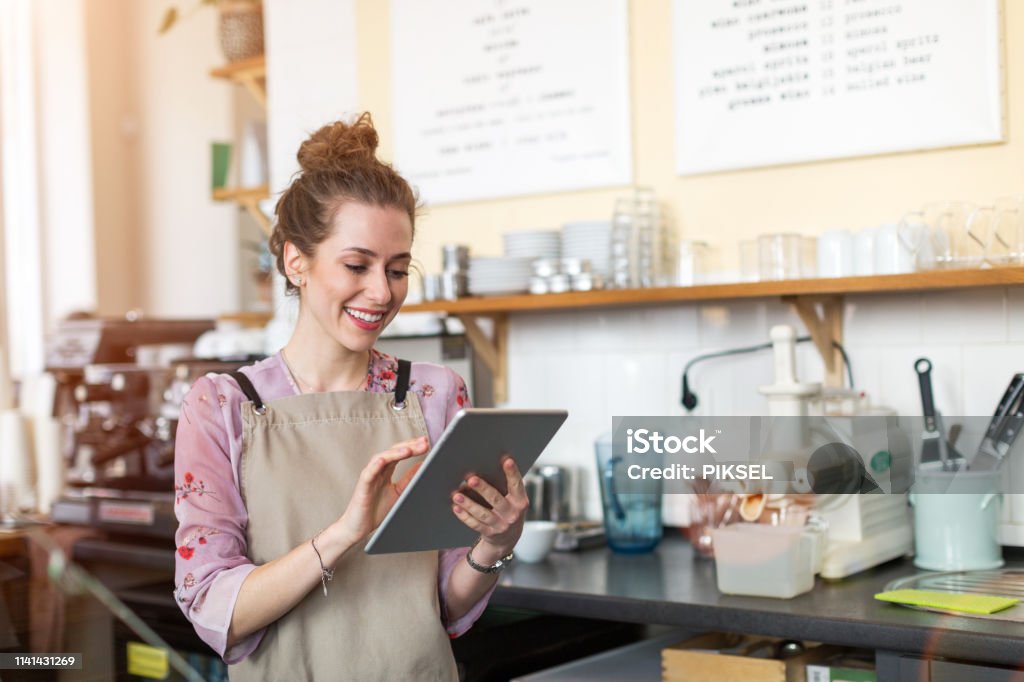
<point x="1008" y="404"/>
<point x="1011" y="408"/>
<point x="923" y="367"/>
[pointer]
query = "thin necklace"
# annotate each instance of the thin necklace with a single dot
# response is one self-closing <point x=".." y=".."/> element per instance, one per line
<point x="299" y="382"/>
<point x="295" y="377"/>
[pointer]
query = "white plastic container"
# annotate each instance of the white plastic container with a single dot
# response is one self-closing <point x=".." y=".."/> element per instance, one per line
<point x="764" y="561"/>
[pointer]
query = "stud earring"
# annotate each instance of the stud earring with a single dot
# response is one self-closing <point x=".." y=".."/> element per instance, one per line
<point x="298" y="281"/>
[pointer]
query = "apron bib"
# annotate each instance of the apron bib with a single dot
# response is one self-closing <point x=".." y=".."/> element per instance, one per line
<point x="301" y="458"/>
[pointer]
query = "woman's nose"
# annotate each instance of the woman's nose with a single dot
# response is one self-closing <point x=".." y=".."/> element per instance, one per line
<point x="378" y="289"/>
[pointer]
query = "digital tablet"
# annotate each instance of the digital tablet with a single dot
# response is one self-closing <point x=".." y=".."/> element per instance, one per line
<point x="474" y="442"/>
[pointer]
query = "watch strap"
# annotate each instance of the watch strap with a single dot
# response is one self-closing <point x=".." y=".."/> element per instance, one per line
<point x="496" y="567"/>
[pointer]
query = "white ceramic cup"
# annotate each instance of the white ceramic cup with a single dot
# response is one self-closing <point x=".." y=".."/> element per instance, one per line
<point x="835" y="254"/>
<point x="893" y="254"/>
<point x="864" y="252"/>
<point x="536" y="541"/>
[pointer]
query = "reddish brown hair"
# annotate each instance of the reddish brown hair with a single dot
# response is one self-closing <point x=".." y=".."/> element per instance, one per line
<point x="338" y="164"/>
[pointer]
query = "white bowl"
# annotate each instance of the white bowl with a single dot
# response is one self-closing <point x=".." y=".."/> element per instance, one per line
<point x="536" y="542"/>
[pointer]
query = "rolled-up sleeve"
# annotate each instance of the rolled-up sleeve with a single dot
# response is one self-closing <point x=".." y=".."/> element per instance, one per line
<point x="210" y="558"/>
<point x="448" y="559"/>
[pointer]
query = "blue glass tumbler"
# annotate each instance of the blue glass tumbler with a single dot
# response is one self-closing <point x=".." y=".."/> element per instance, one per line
<point x="632" y="508"/>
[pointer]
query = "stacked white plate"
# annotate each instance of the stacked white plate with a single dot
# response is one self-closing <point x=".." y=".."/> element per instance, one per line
<point x="589" y="240"/>
<point x="533" y="244"/>
<point x="500" y="276"/>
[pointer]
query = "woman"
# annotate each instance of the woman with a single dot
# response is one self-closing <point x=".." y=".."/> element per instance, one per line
<point x="284" y="469"/>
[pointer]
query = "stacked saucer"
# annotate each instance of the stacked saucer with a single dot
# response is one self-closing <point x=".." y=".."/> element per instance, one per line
<point x="533" y="244"/>
<point x="500" y="276"/>
<point x="589" y="240"/>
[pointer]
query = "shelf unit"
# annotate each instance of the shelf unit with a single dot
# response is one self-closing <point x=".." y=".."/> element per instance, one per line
<point x="818" y="302"/>
<point x="252" y="75"/>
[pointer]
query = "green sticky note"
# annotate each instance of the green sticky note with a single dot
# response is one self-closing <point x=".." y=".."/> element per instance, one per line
<point x="948" y="601"/>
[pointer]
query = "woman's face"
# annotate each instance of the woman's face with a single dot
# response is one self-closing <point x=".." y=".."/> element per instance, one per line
<point x="359" y="276"/>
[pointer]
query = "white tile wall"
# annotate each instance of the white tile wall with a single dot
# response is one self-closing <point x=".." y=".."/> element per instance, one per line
<point x="1015" y="313"/>
<point x="970" y="316"/>
<point x="897" y="316"/>
<point x="598" y="364"/>
<point x="987" y="371"/>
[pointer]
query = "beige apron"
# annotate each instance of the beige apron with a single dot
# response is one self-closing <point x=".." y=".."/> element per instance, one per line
<point x="380" y="620"/>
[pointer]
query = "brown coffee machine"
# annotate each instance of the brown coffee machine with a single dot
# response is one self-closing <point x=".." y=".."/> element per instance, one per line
<point x="119" y="388"/>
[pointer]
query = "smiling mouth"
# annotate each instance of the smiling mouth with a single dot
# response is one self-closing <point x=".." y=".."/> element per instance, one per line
<point x="365" y="317"/>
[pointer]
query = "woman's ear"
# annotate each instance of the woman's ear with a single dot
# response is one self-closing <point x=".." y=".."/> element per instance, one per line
<point x="294" y="263"/>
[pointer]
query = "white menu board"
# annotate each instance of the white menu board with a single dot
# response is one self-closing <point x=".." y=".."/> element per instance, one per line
<point x="496" y="98"/>
<point x="764" y="82"/>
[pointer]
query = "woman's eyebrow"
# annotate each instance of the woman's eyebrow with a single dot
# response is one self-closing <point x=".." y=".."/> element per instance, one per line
<point x="373" y="254"/>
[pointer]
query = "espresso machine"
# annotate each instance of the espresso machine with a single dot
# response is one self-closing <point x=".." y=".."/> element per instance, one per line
<point x="119" y="388"/>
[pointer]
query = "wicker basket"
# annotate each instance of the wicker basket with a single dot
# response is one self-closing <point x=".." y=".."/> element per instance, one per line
<point x="241" y="29"/>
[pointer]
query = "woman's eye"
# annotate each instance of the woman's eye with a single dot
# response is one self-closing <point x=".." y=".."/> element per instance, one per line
<point x="358" y="269"/>
<point x="398" y="274"/>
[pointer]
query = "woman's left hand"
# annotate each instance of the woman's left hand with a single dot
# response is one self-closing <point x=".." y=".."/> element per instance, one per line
<point x="502" y="524"/>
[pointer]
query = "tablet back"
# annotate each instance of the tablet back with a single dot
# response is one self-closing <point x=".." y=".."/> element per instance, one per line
<point x="474" y="442"/>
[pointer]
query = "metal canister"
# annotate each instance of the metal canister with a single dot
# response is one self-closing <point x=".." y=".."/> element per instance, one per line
<point x="432" y="287"/>
<point x="455" y="257"/>
<point x="454" y="285"/>
<point x="556" y="492"/>
<point x="534" y="486"/>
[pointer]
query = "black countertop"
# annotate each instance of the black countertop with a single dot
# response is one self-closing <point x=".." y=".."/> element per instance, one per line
<point x="672" y="586"/>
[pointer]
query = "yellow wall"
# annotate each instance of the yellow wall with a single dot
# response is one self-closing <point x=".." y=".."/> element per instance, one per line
<point x="113" y="96"/>
<point x="722" y="208"/>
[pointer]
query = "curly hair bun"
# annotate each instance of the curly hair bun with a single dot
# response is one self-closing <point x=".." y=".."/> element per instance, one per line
<point x="339" y="145"/>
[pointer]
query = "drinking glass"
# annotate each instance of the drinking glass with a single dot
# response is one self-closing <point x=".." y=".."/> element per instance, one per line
<point x="690" y="263"/>
<point x="632" y="515"/>
<point x="916" y="238"/>
<point x="779" y="256"/>
<point x="835" y="254"/>
<point x="946" y="239"/>
<point x="1007" y="244"/>
<point x="864" y="252"/>
<point x="621" y="244"/>
<point x="897" y="247"/>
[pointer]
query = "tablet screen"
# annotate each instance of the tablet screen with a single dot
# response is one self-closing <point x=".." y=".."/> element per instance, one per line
<point x="474" y="442"/>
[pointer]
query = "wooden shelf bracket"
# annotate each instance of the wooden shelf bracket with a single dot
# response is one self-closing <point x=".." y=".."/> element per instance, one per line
<point x="253" y="207"/>
<point x="248" y="198"/>
<point x="256" y="85"/>
<point x="250" y="74"/>
<point x="493" y="351"/>
<point x="826" y="328"/>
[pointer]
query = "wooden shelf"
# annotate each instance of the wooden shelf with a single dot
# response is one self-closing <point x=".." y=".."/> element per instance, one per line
<point x="611" y="298"/>
<point x="249" y="73"/>
<point x="818" y="302"/>
<point x="248" y="198"/>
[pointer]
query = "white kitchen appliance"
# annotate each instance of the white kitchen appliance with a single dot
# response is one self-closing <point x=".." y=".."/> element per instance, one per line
<point x="864" y="530"/>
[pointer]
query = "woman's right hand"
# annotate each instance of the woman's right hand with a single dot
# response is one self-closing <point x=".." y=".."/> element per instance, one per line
<point x="375" y="492"/>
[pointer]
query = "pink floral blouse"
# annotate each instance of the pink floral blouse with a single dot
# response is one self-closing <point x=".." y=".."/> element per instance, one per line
<point x="211" y="561"/>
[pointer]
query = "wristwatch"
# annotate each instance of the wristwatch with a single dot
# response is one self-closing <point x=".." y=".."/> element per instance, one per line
<point x="497" y="567"/>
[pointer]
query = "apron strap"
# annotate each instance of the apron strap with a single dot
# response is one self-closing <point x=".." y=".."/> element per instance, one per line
<point x="402" y="384"/>
<point x="250" y="392"/>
